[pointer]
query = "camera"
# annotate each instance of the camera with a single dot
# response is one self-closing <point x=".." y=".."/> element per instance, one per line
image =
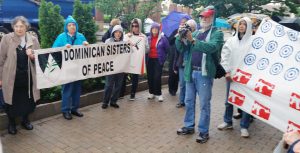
<point x="184" y="30"/>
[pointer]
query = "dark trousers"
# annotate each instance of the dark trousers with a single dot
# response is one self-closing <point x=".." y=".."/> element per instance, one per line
<point x="154" y="72"/>
<point x="173" y="77"/>
<point x="113" y="85"/>
<point x="134" y="84"/>
<point x="1" y="100"/>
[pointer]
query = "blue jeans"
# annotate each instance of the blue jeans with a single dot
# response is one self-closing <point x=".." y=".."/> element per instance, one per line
<point x="181" y="85"/>
<point x="71" y="96"/>
<point x="1" y="100"/>
<point x="245" y="121"/>
<point x="201" y="85"/>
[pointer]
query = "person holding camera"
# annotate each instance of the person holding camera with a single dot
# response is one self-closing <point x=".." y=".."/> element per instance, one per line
<point x="202" y="47"/>
<point x="232" y="53"/>
<point x="178" y="65"/>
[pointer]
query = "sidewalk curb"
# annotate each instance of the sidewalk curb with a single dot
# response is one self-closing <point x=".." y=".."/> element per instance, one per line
<point x="51" y="109"/>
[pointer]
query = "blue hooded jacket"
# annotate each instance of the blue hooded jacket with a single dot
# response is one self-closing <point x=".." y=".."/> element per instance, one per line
<point x="64" y="38"/>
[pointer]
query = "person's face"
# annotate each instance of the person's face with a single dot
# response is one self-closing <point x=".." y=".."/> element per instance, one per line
<point x="71" y="28"/>
<point x="117" y="35"/>
<point x="20" y="29"/>
<point x="206" y="21"/>
<point x="154" y="31"/>
<point x="135" y="28"/>
<point x="242" y="26"/>
<point x="182" y="21"/>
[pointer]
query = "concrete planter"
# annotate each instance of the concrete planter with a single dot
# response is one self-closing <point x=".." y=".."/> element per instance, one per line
<point x="50" y="109"/>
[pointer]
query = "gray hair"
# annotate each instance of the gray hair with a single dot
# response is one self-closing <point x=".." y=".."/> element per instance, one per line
<point x="22" y="19"/>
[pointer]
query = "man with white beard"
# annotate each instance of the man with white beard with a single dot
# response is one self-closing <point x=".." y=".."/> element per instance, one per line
<point x="203" y="48"/>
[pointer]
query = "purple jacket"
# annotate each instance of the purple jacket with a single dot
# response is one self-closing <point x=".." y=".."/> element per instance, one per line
<point x="162" y="44"/>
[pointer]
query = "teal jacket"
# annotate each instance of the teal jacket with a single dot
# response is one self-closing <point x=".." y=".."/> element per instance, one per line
<point x="211" y="49"/>
<point x="64" y="38"/>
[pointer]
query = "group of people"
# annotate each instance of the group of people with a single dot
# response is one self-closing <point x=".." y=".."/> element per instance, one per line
<point x="194" y="60"/>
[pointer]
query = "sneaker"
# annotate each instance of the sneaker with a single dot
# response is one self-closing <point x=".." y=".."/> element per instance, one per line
<point x="202" y="138"/>
<point x="244" y="133"/>
<point x="225" y="126"/>
<point x="179" y="105"/>
<point x="114" y="105"/>
<point x="185" y="131"/>
<point x="132" y="98"/>
<point x="237" y="116"/>
<point x="151" y="96"/>
<point x="160" y="98"/>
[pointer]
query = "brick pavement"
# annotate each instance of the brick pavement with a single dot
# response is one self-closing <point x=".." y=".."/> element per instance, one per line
<point x="141" y="126"/>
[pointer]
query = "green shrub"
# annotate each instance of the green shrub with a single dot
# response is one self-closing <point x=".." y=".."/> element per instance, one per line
<point x="50" y="23"/>
<point x="84" y="17"/>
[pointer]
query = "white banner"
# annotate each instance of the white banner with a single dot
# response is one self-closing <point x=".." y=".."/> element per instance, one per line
<point x="57" y="66"/>
<point x="267" y="84"/>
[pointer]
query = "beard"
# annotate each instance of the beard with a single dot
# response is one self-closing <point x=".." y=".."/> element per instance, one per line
<point x="205" y="25"/>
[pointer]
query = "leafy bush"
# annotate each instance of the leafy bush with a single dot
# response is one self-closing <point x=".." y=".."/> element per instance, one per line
<point x="50" y="23"/>
<point x="84" y="17"/>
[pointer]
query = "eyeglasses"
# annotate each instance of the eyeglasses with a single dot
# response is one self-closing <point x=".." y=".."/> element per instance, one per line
<point x="136" y="26"/>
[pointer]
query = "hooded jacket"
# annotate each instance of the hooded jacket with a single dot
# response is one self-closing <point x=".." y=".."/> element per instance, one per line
<point x="131" y="37"/>
<point x="234" y="49"/>
<point x="64" y="38"/>
<point x="115" y="28"/>
<point x="162" y="44"/>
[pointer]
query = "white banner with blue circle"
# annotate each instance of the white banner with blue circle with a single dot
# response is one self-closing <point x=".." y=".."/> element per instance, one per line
<point x="267" y="83"/>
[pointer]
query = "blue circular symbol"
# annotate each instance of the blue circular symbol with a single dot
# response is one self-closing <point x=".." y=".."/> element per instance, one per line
<point x="279" y="31"/>
<point x="249" y="59"/>
<point x="276" y="68"/>
<point x="271" y="46"/>
<point x="265" y="27"/>
<point x="258" y="43"/>
<point x="286" y="51"/>
<point x="293" y="35"/>
<point x="262" y="64"/>
<point x="291" y="74"/>
<point x="297" y="57"/>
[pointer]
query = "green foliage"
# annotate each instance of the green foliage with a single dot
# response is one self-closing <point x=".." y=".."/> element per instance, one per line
<point x="51" y="94"/>
<point x="82" y="13"/>
<point x="50" y="23"/>
<point x="112" y="8"/>
<point x="128" y="9"/>
<point x="226" y="8"/>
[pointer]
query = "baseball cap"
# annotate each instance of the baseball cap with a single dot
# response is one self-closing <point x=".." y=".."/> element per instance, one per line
<point x="207" y="13"/>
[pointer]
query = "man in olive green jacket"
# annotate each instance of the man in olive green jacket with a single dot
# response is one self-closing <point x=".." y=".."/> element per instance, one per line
<point x="203" y="48"/>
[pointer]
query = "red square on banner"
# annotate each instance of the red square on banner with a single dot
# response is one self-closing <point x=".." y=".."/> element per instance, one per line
<point x="241" y="76"/>
<point x="261" y="110"/>
<point x="295" y="101"/>
<point x="264" y="87"/>
<point x="292" y="126"/>
<point x="236" y="98"/>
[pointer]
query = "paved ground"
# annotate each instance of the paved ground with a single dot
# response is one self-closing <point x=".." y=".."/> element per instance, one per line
<point x="141" y="126"/>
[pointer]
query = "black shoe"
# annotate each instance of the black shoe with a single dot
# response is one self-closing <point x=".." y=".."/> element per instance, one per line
<point x="104" y="106"/>
<point x="27" y="125"/>
<point x="67" y="116"/>
<point x="237" y="116"/>
<point x="179" y="105"/>
<point x="77" y="113"/>
<point x="114" y="105"/>
<point x="172" y="93"/>
<point x="12" y="129"/>
<point x="202" y="138"/>
<point x="185" y="131"/>
<point x="132" y="97"/>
